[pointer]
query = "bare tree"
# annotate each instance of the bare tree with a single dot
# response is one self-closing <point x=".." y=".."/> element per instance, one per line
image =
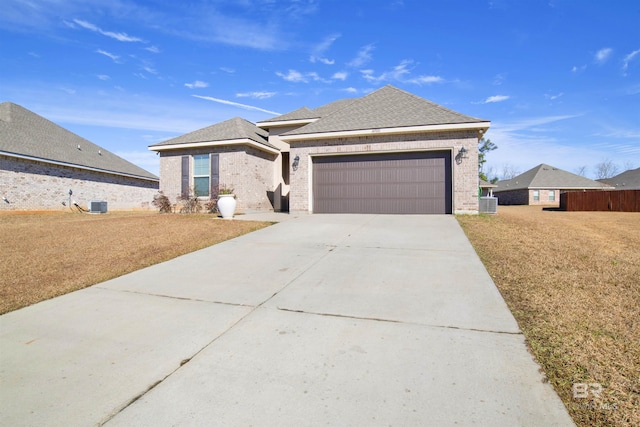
<point x="628" y="165"/>
<point x="606" y="169"/>
<point x="509" y="171"/>
<point x="581" y="170"/>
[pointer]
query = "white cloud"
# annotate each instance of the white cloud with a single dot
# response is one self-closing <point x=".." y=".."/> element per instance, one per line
<point x="197" y="84"/>
<point x="235" y="104"/>
<point x="123" y="37"/>
<point x="603" y="54"/>
<point x="318" y="53"/>
<point x="499" y="79"/>
<point x="293" y="76"/>
<point x="108" y="54"/>
<point x="495" y="98"/>
<point x="227" y="70"/>
<point x="577" y="69"/>
<point x="341" y="75"/>
<point x="627" y="59"/>
<point x="362" y="57"/>
<point x="553" y="97"/>
<point x="351" y="90"/>
<point x="256" y="95"/>
<point x="400" y="73"/>
<point x="103" y="77"/>
<point x="426" y="80"/>
<point x="152" y="49"/>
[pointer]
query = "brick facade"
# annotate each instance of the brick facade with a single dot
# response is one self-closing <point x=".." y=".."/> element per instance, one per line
<point x="465" y="174"/>
<point x="527" y="197"/>
<point x="32" y="185"/>
<point x="250" y="172"/>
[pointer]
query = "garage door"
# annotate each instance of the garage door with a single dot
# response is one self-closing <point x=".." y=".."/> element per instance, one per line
<point x="395" y="183"/>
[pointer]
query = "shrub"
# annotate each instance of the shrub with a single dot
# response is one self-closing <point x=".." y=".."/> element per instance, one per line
<point x="190" y="203"/>
<point x="162" y="202"/>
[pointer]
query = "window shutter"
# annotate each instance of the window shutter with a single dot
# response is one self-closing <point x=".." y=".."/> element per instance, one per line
<point x="184" y="189"/>
<point x="215" y="174"/>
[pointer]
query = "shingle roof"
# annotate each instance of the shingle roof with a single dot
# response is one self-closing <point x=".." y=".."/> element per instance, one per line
<point x="24" y="133"/>
<point x="549" y="177"/>
<point x="388" y="107"/>
<point x="299" y="114"/>
<point x="229" y="130"/>
<point x="628" y="180"/>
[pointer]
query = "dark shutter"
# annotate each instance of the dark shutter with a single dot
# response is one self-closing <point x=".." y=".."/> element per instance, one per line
<point x="215" y="174"/>
<point x="184" y="188"/>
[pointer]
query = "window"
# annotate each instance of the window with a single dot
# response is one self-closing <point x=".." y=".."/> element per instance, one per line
<point x="536" y="195"/>
<point x="201" y="175"/>
<point x="552" y="195"/>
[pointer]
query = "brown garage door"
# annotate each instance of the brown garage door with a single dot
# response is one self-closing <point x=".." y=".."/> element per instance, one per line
<point x="395" y="183"/>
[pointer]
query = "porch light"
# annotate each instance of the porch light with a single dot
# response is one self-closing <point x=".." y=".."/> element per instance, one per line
<point x="296" y="162"/>
<point x="462" y="154"/>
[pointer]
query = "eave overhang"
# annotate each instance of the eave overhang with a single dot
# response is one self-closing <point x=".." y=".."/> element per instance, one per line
<point x="202" y="144"/>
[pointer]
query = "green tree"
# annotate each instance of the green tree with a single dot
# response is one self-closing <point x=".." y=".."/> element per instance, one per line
<point x="484" y="146"/>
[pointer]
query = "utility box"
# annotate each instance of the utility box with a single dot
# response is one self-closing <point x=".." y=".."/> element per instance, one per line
<point x="488" y="205"/>
<point x="97" y="207"/>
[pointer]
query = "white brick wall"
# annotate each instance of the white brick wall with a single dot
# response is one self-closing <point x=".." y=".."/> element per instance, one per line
<point x="465" y="174"/>
<point x="31" y="185"/>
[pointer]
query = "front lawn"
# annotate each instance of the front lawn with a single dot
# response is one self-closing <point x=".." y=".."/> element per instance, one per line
<point x="572" y="281"/>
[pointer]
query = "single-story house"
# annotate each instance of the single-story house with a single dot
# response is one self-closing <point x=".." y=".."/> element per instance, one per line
<point x="44" y="167"/>
<point x="486" y="188"/>
<point x="627" y="180"/>
<point x="542" y="185"/>
<point x="387" y="152"/>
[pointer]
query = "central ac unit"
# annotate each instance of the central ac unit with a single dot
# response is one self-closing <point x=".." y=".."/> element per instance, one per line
<point x="97" y="207"/>
<point x="489" y="205"/>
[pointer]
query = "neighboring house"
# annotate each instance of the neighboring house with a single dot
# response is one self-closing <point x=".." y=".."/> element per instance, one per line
<point x="628" y="180"/>
<point x="44" y="166"/>
<point x="387" y="152"/>
<point x="542" y="185"/>
<point x="486" y="188"/>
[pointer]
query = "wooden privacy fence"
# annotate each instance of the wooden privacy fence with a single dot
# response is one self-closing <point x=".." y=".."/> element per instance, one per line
<point x="615" y="200"/>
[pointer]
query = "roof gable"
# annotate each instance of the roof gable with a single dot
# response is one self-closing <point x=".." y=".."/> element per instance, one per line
<point x="388" y="107"/>
<point x="24" y="133"/>
<point x="545" y="176"/>
<point x="228" y="131"/>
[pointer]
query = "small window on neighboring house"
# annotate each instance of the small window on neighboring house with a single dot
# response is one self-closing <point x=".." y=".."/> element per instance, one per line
<point x="201" y="175"/>
<point x="536" y="195"/>
<point x="552" y="195"/>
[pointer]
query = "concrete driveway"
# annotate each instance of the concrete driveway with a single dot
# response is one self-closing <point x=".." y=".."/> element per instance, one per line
<point x="347" y="320"/>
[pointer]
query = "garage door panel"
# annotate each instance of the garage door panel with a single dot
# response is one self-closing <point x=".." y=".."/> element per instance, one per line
<point x="396" y="183"/>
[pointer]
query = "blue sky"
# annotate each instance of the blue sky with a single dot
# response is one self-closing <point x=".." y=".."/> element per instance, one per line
<point x="558" y="79"/>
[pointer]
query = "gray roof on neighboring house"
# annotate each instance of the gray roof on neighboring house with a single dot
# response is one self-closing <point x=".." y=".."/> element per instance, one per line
<point x="548" y="177"/>
<point x="229" y="130"/>
<point x="388" y="107"/>
<point x="628" y="180"/>
<point x="26" y="134"/>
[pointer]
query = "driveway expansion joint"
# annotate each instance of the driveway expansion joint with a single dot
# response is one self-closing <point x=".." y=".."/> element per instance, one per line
<point x="376" y="319"/>
<point x="175" y="297"/>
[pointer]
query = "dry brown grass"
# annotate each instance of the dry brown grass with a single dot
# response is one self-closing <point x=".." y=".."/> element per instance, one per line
<point x="46" y="255"/>
<point x="572" y="281"/>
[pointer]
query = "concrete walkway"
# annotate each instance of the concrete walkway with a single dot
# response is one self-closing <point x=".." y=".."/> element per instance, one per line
<point x="346" y="320"/>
